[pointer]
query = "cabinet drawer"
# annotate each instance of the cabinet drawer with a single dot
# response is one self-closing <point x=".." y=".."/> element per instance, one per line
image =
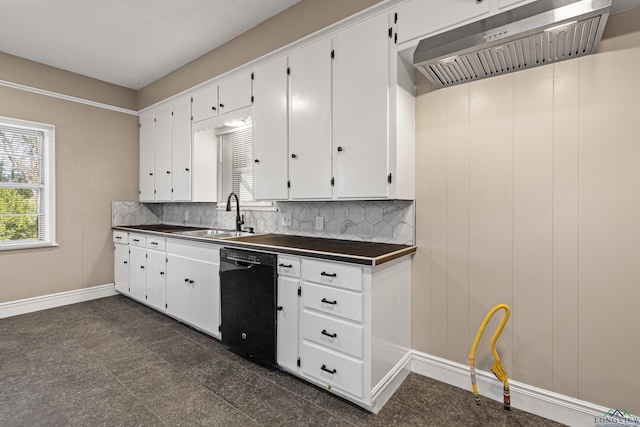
<point x="332" y="301"/>
<point x="332" y="369"/>
<point x="121" y="237"/>
<point x="206" y="252"/>
<point x="156" y="243"/>
<point x="288" y="266"/>
<point x="138" y="240"/>
<point x="333" y="333"/>
<point x="331" y="273"/>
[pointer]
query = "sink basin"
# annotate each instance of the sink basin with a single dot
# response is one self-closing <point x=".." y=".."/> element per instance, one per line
<point x="214" y="233"/>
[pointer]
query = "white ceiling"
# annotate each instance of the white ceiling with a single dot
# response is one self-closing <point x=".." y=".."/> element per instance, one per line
<point x="130" y="43"/>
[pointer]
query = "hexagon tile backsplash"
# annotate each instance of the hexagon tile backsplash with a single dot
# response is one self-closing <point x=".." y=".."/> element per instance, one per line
<point x="387" y="221"/>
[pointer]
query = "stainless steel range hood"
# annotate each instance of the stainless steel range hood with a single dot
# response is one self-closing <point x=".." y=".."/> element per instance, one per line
<point x="535" y="34"/>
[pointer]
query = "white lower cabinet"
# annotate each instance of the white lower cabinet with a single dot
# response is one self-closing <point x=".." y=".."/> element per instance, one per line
<point x="179" y="277"/>
<point x="288" y="312"/>
<point x="121" y="261"/>
<point x="193" y="284"/>
<point x="352" y="332"/>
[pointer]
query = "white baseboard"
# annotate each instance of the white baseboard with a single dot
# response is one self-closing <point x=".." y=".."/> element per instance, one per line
<point x="545" y="403"/>
<point x="29" y="305"/>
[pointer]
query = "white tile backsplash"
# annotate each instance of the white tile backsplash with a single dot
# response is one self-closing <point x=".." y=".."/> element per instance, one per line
<point x="387" y="221"/>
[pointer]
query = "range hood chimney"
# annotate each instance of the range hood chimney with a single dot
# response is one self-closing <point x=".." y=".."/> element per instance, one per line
<point x="535" y="34"/>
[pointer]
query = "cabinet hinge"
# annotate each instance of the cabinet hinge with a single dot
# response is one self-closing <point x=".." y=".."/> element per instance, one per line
<point x="333" y="181"/>
<point x="191" y="118"/>
<point x="395" y="18"/>
<point x="139" y="125"/>
<point x="289" y="184"/>
<point x="333" y="54"/>
<point x="299" y="291"/>
<point x="172" y="190"/>
<point x="390" y="32"/>
<point x="252" y="99"/>
<point x="288" y="71"/>
<point x="251" y="76"/>
<point x="166" y="260"/>
<point x="172" y="113"/>
<point x="146" y="255"/>
<point x="166" y="305"/>
<point x="220" y="328"/>
<point x="146" y="297"/>
<point x="299" y="362"/>
<point x="192" y="99"/>
<point x="389" y="179"/>
<point x="154" y="120"/>
<point x="395" y="38"/>
<point x="154" y="191"/>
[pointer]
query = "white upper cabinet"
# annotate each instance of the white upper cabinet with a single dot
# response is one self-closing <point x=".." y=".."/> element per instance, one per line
<point x="146" y="158"/>
<point x="162" y="153"/>
<point x="205" y="103"/>
<point x="235" y="93"/>
<point x="270" y="140"/>
<point x="422" y="17"/>
<point x="310" y="121"/>
<point x="181" y="149"/>
<point x="360" y="109"/>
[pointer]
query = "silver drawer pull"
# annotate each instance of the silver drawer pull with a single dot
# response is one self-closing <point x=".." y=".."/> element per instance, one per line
<point x="326" y="301"/>
<point x="331" y="371"/>
<point x="324" y="332"/>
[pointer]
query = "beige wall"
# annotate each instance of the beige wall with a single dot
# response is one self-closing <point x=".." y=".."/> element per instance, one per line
<point x="288" y="26"/>
<point x="35" y="75"/>
<point x="526" y="194"/>
<point x="96" y="162"/>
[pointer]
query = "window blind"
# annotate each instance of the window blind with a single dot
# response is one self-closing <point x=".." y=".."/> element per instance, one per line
<point x="24" y="186"/>
<point x="235" y="167"/>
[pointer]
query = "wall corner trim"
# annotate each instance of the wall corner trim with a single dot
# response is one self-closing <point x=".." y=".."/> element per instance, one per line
<point x="29" y="305"/>
<point x="554" y="406"/>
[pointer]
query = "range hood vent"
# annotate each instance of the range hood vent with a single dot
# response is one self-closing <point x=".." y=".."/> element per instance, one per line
<point x="538" y="33"/>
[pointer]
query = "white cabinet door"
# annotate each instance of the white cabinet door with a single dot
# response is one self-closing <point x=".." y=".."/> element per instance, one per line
<point x="146" y="158"/>
<point x="181" y="149"/>
<point x="422" y="17"/>
<point x="121" y="267"/>
<point x="310" y="121"/>
<point x="178" y="290"/>
<point x="270" y="131"/>
<point x="205" y="297"/>
<point x="287" y="322"/>
<point x="162" y="153"/>
<point x="205" y="103"/>
<point x="205" y="165"/>
<point x="156" y="279"/>
<point x="137" y="272"/>
<point x="360" y="109"/>
<point x="234" y="93"/>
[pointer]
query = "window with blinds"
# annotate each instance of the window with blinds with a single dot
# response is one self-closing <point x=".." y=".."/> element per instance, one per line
<point x="26" y="184"/>
<point x="235" y="167"/>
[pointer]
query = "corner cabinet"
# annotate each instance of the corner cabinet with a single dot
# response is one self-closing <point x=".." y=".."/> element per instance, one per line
<point x="347" y="327"/>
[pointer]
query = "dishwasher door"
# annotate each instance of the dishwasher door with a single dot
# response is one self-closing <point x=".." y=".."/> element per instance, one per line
<point x="248" y="297"/>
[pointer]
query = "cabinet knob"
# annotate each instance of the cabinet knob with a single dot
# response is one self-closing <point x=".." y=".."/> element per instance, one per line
<point x="186" y="169"/>
<point x="168" y="172"/>
<point x="213" y="107"/>
<point x="293" y="156"/>
<point x="150" y="173"/>
<point x="126" y="262"/>
<point x="339" y="148"/>
<point x="162" y="273"/>
<point x="190" y="281"/>
<point x="142" y="267"/>
<point x="279" y="308"/>
<point x="221" y="105"/>
<point x="256" y="161"/>
<point x="186" y="280"/>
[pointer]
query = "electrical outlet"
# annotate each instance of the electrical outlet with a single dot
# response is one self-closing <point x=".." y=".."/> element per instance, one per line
<point x="319" y="223"/>
<point x="285" y="219"/>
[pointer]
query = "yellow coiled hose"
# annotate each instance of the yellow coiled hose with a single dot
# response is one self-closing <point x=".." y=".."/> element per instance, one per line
<point x="497" y="368"/>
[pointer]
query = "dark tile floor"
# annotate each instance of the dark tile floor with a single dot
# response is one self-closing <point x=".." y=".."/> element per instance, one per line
<point x="115" y="362"/>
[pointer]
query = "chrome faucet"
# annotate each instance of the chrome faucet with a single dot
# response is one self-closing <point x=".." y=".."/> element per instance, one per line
<point x="239" y="220"/>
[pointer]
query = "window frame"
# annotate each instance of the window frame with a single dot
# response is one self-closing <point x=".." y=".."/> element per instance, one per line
<point x="48" y="239"/>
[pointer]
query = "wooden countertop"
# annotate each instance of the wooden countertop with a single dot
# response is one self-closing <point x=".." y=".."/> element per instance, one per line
<point x="356" y="252"/>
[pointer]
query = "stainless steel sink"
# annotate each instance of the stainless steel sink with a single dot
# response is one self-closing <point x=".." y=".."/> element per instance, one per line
<point x="214" y="233"/>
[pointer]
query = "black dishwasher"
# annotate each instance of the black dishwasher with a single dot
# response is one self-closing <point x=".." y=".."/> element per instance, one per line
<point x="248" y="296"/>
